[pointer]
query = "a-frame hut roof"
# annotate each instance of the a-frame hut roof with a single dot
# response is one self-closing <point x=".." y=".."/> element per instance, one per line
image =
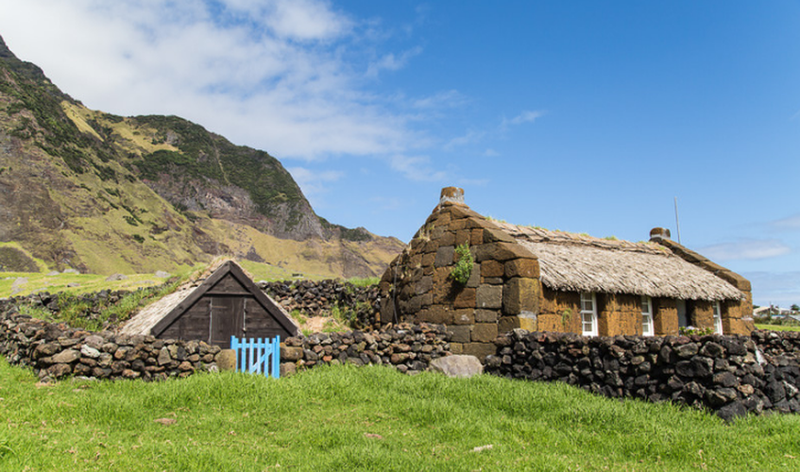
<point x="156" y="317"/>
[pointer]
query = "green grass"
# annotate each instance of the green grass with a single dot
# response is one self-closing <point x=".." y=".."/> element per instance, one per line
<point x="38" y="282"/>
<point x="87" y="283"/>
<point x="346" y="418"/>
<point x="78" y="313"/>
<point x="777" y="327"/>
<point x="364" y="281"/>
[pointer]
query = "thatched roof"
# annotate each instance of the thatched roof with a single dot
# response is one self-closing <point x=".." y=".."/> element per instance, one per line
<point x="144" y="321"/>
<point x="573" y="262"/>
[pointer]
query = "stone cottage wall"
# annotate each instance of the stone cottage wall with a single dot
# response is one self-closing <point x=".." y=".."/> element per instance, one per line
<point x="732" y="375"/>
<point x="501" y="294"/>
<point x="737" y="316"/>
<point x="617" y="314"/>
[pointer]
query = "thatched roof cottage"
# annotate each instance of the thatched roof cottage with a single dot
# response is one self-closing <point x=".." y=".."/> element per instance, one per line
<point x="220" y="303"/>
<point x="545" y="280"/>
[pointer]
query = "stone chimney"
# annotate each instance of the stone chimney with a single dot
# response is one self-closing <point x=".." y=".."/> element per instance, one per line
<point x="659" y="234"/>
<point x="452" y="195"/>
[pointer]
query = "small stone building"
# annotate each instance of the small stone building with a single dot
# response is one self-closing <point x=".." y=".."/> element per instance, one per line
<point x="214" y="308"/>
<point x="537" y="279"/>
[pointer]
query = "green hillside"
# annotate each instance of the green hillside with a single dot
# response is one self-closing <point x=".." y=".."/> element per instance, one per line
<point x="102" y="193"/>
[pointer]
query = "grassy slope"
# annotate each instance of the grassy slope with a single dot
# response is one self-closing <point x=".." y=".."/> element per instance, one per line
<point x="314" y="258"/>
<point x="58" y="283"/>
<point x="367" y="419"/>
<point x="40" y="264"/>
<point x="93" y="283"/>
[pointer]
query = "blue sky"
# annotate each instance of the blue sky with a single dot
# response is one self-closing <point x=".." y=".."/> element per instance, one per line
<point x="588" y="117"/>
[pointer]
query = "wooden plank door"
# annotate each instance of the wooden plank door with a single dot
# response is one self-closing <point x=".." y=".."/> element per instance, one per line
<point x="227" y="316"/>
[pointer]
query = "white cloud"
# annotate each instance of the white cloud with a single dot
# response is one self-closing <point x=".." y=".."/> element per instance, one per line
<point x="746" y="249"/>
<point x="302" y="19"/>
<point x="489" y="152"/>
<point x="448" y="99"/>
<point x="471" y="137"/>
<point x="312" y="182"/>
<point x="527" y="116"/>
<point x="392" y="62"/>
<point x="277" y="75"/>
<point x="789" y="223"/>
<point x="417" y="168"/>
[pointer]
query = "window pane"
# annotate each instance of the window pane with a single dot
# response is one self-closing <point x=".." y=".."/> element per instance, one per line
<point x="647" y="325"/>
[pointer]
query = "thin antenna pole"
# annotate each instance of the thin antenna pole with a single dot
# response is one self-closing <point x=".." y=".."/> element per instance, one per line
<point x="677" y="222"/>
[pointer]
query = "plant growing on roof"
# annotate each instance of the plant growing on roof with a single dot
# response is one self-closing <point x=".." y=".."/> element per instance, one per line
<point x="463" y="267"/>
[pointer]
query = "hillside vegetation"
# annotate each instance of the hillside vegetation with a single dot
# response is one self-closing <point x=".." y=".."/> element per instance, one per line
<point x="370" y="418"/>
<point x="102" y="193"/>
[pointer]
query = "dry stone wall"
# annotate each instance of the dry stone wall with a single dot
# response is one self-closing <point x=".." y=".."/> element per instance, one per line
<point x="55" y="351"/>
<point x="95" y="302"/>
<point x="407" y="347"/>
<point x="778" y="343"/>
<point x="731" y="375"/>
<point x="318" y="298"/>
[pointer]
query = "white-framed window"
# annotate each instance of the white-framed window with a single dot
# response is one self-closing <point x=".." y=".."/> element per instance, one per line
<point x="589" y="314"/>
<point x="717" y="318"/>
<point x="647" y="316"/>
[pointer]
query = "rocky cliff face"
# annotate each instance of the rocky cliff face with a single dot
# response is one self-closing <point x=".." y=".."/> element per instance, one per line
<point x="103" y="193"/>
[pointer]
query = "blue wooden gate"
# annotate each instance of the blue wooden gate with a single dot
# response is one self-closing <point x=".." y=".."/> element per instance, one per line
<point x="261" y="356"/>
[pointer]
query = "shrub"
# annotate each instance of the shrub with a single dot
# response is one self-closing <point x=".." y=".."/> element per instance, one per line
<point x="463" y="267"/>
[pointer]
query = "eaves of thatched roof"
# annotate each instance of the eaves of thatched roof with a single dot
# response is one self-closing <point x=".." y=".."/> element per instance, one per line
<point x="144" y="321"/>
<point x="573" y="262"/>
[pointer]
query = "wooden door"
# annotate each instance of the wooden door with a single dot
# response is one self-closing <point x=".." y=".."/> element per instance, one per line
<point x="227" y="316"/>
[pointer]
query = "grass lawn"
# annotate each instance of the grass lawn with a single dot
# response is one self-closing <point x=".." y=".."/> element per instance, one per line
<point x="29" y="282"/>
<point x="371" y="418"/>
<point x="777" y="327"/>
<point x="24" y="283"/>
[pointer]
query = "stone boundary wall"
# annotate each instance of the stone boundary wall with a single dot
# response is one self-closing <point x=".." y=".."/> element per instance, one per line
<point x="318" y="298"/>
<point x="778" y="343"/>
<point x="95" y="301"/>
<point x="726" y="374"/>
<point x="55" y="351"/>
<point x="407" y="347"/>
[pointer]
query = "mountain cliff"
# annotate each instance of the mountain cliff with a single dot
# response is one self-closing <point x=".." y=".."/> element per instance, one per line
<point x="103" y="193"/>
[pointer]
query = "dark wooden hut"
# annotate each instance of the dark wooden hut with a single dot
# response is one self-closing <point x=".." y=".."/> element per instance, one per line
<point x="227" y="303"/>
